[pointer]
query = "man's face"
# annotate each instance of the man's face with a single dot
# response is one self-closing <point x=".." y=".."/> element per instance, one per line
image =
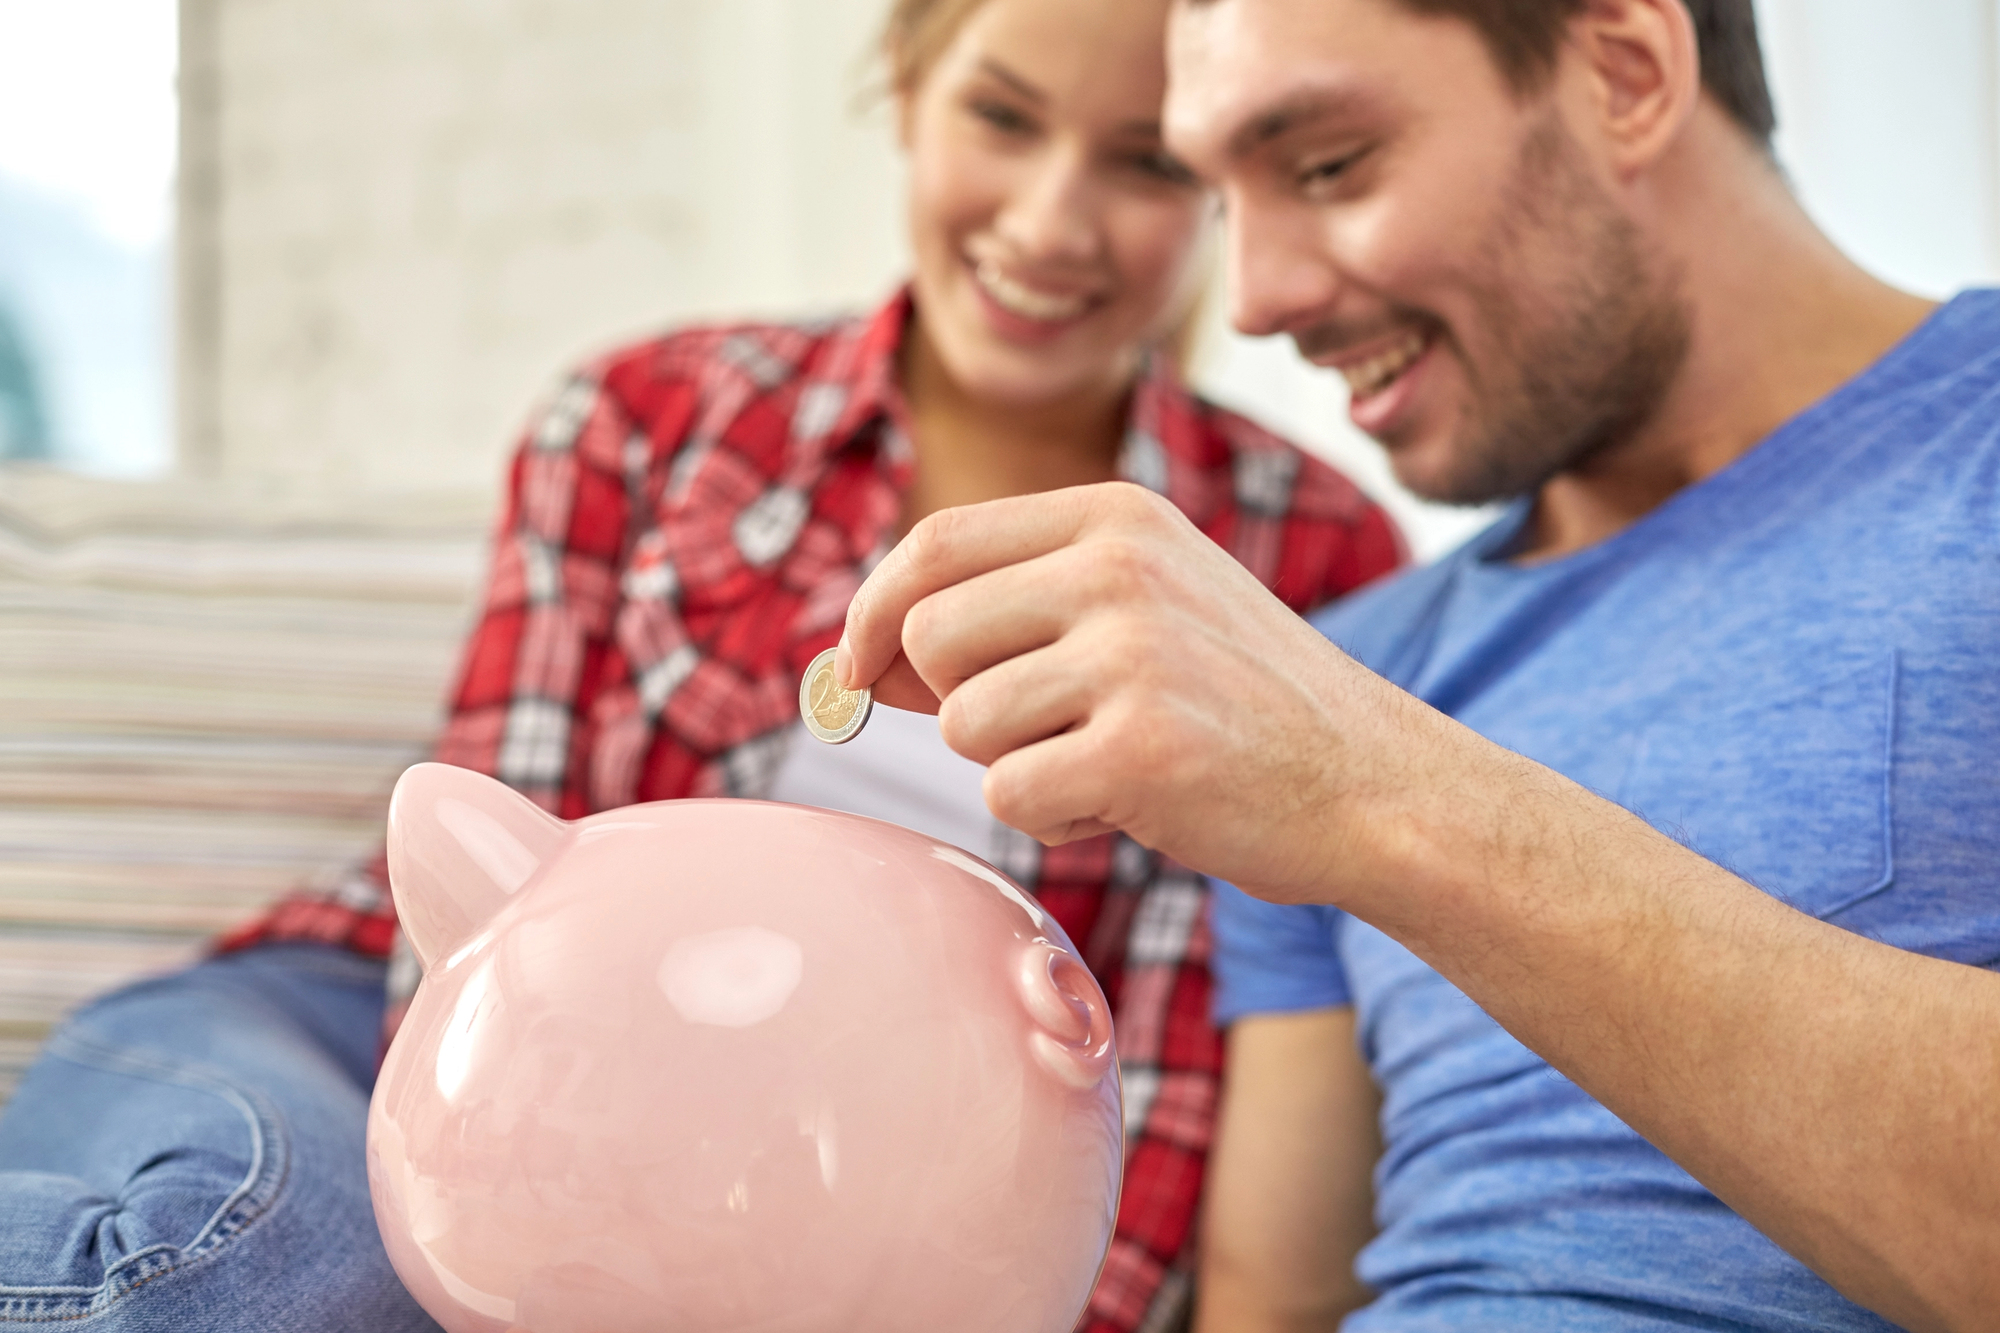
<point x="1412" y="221"/>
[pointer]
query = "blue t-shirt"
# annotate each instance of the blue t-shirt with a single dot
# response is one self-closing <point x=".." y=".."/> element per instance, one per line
<point x="1794" y="668"/>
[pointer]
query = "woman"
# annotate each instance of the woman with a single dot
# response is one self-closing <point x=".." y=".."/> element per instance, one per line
<point x="685" y="527"/>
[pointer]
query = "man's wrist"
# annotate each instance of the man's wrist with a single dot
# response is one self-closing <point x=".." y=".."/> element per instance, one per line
<point x="1455" y="834"/>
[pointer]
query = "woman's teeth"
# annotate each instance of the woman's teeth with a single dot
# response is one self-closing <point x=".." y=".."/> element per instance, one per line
<point x="1377" y="372"/>
<point x="1026" y="302"/>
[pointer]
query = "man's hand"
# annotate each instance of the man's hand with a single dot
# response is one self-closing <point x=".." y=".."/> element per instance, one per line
<point x="1115" y="669"/>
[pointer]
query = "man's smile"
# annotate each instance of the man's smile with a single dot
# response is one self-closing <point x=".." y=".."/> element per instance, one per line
<point x="1374" y="367"/>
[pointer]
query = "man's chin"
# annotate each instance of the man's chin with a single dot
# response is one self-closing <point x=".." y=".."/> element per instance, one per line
<point x="1434" y="470"/>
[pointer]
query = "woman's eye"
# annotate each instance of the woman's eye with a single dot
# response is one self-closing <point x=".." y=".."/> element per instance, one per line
<point x="1002" y="117"/>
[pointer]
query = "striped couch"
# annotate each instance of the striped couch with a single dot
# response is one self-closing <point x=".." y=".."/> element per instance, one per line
<point x="205" y="696"/>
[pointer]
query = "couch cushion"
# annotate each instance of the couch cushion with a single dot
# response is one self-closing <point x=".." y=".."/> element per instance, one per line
<point x="206" y="694"/>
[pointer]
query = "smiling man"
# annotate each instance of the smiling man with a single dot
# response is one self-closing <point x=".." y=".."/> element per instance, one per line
<point x="1621" y="895"/>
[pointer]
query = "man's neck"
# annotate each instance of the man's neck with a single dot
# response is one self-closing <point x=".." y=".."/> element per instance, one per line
<point x="1778" y="319"/>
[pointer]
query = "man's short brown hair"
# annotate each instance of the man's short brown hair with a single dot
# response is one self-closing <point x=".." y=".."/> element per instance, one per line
<point x="1524" y="36"/>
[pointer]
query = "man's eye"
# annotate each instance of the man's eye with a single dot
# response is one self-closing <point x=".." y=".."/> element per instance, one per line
<point x="1164" y="166"/>
<point x="1002" y="117"/>
<point x="1326" y="170"/>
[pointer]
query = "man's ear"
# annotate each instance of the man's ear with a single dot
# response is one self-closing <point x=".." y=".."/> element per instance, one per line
<point x="1642" y="61"/>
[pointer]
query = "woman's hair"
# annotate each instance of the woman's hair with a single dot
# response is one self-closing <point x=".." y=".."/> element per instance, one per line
<point x="920" y="31"/>
<point x="917" y="33"/>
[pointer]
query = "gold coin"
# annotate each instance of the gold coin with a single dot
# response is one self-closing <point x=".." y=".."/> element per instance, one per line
<point x="831" y="713"/>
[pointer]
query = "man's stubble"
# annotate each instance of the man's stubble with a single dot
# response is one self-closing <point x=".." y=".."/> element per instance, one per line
<point x="1586" y="358"/>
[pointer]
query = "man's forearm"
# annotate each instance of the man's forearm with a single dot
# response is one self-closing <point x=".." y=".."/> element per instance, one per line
<point x="1116" y="670"/>
<point x="1843" y="1096"/>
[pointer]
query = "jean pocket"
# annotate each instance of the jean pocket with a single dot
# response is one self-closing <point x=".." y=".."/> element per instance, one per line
<point x="142" y="1164"/>
<point x="1790" y="789"/>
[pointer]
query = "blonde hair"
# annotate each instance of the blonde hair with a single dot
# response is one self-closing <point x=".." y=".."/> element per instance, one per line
<point x="916" y="34"/>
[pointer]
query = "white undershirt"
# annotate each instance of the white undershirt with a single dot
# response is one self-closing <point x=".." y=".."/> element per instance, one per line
<point x="898" y="769"/>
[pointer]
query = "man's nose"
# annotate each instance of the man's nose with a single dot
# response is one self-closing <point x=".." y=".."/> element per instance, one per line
<point x="1280" y="279"/>
<point x="1052" y="214"/>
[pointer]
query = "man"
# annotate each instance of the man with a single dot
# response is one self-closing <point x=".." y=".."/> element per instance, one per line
<point x="1734" y="1064"/>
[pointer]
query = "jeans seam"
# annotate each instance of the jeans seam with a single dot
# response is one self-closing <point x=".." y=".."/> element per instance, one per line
<point x="270" y="1165"/>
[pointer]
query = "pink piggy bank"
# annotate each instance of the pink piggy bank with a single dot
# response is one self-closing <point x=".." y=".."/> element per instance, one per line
<point x="708" y="1065"/>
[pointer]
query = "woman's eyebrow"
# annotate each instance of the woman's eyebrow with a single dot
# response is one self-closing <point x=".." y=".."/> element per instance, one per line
<point x="1012" y="80"/>
<point x="1138" y="129"/>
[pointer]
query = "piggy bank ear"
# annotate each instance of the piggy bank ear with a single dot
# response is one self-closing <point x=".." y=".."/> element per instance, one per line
<point x="460" y="845"/>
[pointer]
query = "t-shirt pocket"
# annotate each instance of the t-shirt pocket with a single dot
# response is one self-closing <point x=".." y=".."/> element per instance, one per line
<point x="1791" y="790"/>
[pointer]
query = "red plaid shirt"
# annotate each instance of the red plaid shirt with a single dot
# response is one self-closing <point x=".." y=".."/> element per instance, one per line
<point x="685" y="526"/>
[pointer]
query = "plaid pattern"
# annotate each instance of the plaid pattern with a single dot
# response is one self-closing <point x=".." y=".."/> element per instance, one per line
<point x="685" y="527"/>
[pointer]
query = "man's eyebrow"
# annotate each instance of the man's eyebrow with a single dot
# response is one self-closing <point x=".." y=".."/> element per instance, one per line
<point x="1300" y="108"/>
<point x="1013" y="80"/>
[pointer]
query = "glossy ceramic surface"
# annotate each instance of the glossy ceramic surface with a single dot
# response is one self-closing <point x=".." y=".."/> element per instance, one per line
<point x="708" y="1065"/>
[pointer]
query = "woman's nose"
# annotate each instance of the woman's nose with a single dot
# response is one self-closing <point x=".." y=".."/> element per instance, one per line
<point x="1052" y="215"/>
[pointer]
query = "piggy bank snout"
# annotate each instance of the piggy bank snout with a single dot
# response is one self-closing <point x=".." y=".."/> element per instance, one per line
<point x="1072" y="1036"/>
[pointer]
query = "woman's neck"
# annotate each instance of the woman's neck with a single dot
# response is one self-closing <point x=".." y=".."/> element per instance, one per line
<point x="969" y="450"/>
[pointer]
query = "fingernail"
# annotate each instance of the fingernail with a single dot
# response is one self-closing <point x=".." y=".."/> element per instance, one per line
<point x="843" y="664"/>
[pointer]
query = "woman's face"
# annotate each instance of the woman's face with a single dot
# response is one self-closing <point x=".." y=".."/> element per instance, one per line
<point x="1054" y="236"/>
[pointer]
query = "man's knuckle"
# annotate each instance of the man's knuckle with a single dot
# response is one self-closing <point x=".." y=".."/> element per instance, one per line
<point x="961" y="721"/>
<point x="921" y="625"/>
<point x="1005" y="795"/>
<point x="1130" y="495"/>
<point x="930" y="540"/>
<point x="1137" y="643"/>
<point x="1124" y="567"/>
<point x="1141" y="503"/>
<point x="1102" y="747"/>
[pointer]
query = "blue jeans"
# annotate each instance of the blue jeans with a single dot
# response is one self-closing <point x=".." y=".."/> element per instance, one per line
<point x="186" y="1155"/>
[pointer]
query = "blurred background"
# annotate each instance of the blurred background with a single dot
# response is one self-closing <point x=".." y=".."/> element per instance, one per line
<point x="280" y="278"/>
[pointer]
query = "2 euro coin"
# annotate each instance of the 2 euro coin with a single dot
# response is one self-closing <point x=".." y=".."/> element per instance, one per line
<point x="832" y="714"/>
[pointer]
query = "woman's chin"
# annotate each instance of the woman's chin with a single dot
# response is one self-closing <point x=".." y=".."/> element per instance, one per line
<point x="1008" y="374"/>
<point x="1025" y="384"/>
<point x="989" y="362"/>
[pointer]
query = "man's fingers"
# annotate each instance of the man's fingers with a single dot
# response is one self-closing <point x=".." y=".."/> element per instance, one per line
<point x="1022" y="700"/>
<point x="954" y="545"/>
<point x="1055" y="791"/>
<point x="901" y="687"/>
<point x="958" y="632"/>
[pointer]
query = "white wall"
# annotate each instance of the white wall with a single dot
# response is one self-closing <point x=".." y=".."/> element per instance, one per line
<point x="420" y="212"/>
<point x="1888" y="124"/>
<point x="413" y="214"/>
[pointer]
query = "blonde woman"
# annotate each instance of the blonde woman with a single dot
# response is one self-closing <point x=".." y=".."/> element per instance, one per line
<point x="685" y="526"/>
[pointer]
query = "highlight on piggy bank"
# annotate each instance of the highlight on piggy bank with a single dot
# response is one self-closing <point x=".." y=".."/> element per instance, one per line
<point x="719" y="1064"/>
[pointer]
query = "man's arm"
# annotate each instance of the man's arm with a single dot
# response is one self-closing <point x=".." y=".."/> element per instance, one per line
<point x="1290" y="1198"/>
<point x="1115" y="670"/>
<point x="1841" y="1095"/>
